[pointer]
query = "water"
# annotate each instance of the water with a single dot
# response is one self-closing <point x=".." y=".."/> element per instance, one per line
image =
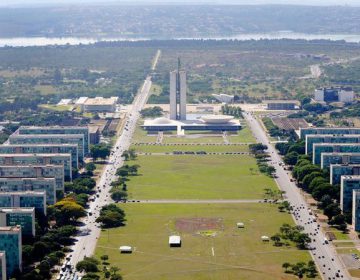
<point x="45" y="41"/>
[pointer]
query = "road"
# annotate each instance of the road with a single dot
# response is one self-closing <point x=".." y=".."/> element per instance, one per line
<point x="325" y="256"/>
<point x="85" y="245"/>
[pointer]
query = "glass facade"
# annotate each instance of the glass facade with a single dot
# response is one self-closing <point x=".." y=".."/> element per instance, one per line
<point x="59" y="130"/>
<point x="327" y="130"/>
<point x="339" y="158"/>
<point x="336" y="171"/>
<point x="2" y="265"/>
<point x="30" y="184"/>
<point x="10" y="242"/>
<point x="314" y="139"/>
<point x="22" y="217"/>
<point x="78" y="139"/>
<point x="44" y="149"/>
<point x="356" y="210"/>
<point x="39" y="159"/>
<point x="33" y="171"/>
<point x="35" y="200"/>
<point x="333" y="148"/>
<point x="348" y="184"/>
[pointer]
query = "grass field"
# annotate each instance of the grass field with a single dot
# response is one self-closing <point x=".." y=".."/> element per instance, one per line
<point x="230" y="254"/>
<point x="243" y="136"/>
<point x="194" y="138"/>
<point x="171" y="148"/>
<point x="198" y="177"/>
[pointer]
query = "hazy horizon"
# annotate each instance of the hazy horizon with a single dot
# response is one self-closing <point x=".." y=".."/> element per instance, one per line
<point x="27" y="3"/>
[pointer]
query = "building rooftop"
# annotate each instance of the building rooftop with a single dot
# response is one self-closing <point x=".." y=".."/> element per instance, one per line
<point x="350" y="177"/>
<point x="42" y="145"/>
<point x="46" y="135"/>
<point x="52" y="127"/>
<point x="26" y="179"/>
<point x="35" y="155"/>
<point x="14" y="229"/>
<point x="101" y="101"/>
<point x="17" y="210"/>
<point x="30" y="193"/>
<point x="281" y="101"/>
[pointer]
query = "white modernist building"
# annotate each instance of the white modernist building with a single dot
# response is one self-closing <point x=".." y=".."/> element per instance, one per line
<point x="178" y="94"/>
<point x="338" y="94"/>
<point x="224" y="98"/>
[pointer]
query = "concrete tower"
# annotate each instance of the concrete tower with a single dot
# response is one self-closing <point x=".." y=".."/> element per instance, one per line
<point x="178" y="94"/>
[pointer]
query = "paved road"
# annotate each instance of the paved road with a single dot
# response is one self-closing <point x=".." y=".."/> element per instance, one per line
<point x="85" y="246"/>
<point x="196" y="201"/>
<point x="324" y="255"/>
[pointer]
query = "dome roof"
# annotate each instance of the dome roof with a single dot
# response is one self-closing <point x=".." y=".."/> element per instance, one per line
<point x="217" y="118"/>
<point x="162" y="120"/>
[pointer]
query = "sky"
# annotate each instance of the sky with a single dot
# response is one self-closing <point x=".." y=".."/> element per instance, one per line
<point x="10" y="3"/>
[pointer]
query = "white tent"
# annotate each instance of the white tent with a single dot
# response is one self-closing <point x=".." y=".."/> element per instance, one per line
<point x="265" y="238"/>
<point x="125" y="249"/>
<point x="240" y="225"/>
<point x="174" y="241"/>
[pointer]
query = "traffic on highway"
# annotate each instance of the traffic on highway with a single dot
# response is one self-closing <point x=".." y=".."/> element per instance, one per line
<point x="89" y="233"/>
<point x="323" y="253"/>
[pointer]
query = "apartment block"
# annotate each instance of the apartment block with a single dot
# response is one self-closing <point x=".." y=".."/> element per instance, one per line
<point x="30" y="184"/>
<point x="347" y="185"/>
<point x="338" y="170"/>
<point x="35" y="171"/>
<point x="329" y="139"/>
<point x="24" y="217"/>
<point x="39" y="159"/>
<point x="10" y="243"/>
<point x="318" y="149"/>
<point x="84" y="130"/>
<point x="30" y="199"/>
<point x="44" y="149"/>
<point x="339" y="158"/>
<point x="328" y="130"/>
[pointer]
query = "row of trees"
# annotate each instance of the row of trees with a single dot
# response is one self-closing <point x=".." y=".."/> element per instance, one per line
<point x="291" y="233"/>
<point x="262" y="157"/>
<point x="152" y="112"/>
<point x="315" y="181"/>
<point x="301" y="269"/>
<point x="232" y="111"/>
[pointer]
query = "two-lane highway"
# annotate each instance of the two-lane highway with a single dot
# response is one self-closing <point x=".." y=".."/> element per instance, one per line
<point x="323" y="253"/>
<point x="85" y="244"/>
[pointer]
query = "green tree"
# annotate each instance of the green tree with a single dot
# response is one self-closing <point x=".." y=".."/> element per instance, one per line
<point x="88" y="264"/>
<point x="119" y="195"/>
<point x="100" y="151"/>
<point x="291" y="158"/>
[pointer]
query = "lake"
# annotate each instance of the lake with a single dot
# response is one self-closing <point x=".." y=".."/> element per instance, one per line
<point x="45" y="41"/>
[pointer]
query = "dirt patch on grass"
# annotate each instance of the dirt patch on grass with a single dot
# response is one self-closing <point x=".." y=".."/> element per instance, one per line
<point x="199" y="225"/>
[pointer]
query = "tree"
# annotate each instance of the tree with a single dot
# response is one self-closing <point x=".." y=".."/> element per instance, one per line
<point x="286" y="265"/>
<point x="325" y="201"/>
<point x="100" y="151"/>
<point x="277" y="239"/>
<point x="133" y="169"/>
<point x="90" y="167"/>
<point x="311" y="270"/>
<point x="111" y="216"/>
<point x="88" y="265"/>
<point x="299" y="269"/>
<point x="291" y="158"/>
<point x="119" y="195"/>
<point x="306" y="181"/>
<point x="66" y="211"/>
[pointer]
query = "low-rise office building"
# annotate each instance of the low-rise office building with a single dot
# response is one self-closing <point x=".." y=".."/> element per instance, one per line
<point x="2" y="265"/>
<point x="356" y="210"/>
<point x="77" y="139"/>
<point x="30" y="184"/>
<point x="330" y="139"/>
<point x="339" y="158"/>
<point x="100" y="104"/>
<point x="26" y="199"/>
<point x="64" y="130"/>
<point x="334" y="94"/>
<point x="35" y="171"/>
<point x="24" y="217"/>
<point x="283" y="105"/>
<point x="320" y="148"/>
<point x="347" y="185"/>
<point x="44" y="149"/>
<point x="338" y="170"/>
<point x="10" y="243"/>
<point x="328" y="130"/>
<point x="39" y="159"/>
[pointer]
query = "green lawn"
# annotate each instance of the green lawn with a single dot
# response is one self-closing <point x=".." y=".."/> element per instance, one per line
<point x="194" y="138"/>
<point x="171" y="148"/>
<point x="198" y="177"/>
<point x="231" y="254"/>
<point x="243" y="136"/>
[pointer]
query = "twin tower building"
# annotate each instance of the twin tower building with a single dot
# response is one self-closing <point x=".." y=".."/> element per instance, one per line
<point x="178" y="94"/>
